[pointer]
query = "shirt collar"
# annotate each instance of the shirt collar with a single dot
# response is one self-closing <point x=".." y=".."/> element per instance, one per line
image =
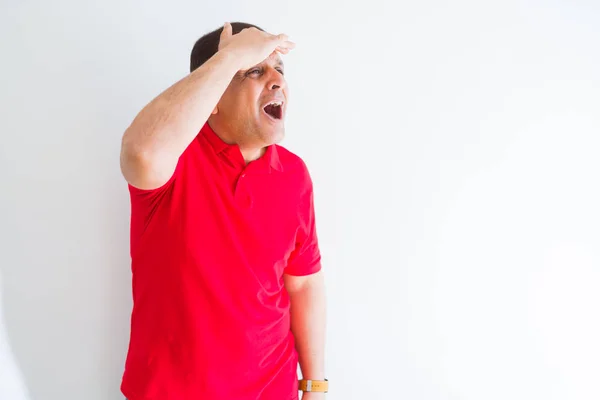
<point x="218" y="145"/>
<point x="273" y="157"/>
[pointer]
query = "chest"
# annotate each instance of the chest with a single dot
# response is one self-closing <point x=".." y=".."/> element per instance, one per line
<point x="243" y="216"/>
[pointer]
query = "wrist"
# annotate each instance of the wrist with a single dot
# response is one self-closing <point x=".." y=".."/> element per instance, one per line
<point x="313" y="396"/>
<point x="313" y="385"/>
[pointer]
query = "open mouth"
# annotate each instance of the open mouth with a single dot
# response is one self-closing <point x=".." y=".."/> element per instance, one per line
<point x="274" y="109"/>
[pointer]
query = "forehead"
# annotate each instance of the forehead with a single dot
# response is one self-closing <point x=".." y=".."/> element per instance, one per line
<point x="273" y="60"/>
<point x="276" y="59"/>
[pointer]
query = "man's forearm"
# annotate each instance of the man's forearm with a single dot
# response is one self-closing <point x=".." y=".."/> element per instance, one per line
<point x="164" y="128"/>
<point x="308" y="315"/>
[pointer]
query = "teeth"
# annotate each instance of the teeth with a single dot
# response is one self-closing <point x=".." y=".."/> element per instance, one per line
<point x="275" y="103"/>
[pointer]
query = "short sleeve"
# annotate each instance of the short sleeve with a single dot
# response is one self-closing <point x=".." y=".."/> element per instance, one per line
<point x="147" y="197"/>
<point x="146" y="203"/>
<point x="306" y="256"/>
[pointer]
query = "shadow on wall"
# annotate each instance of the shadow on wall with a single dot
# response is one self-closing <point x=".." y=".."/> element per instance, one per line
<point x="12" y="385"/>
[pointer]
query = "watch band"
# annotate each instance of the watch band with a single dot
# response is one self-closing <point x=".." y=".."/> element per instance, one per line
<point x="309" y="385"/>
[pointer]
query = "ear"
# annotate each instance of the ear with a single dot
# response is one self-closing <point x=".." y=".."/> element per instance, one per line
<point x="215" y="110"/>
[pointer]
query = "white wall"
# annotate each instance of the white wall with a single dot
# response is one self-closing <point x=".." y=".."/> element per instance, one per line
<point x="454" y="148"/>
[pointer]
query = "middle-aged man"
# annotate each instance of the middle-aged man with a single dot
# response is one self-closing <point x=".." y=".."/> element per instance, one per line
<point x="227" y="284"/>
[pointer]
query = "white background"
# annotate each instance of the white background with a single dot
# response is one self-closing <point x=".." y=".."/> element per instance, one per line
<point x="454" y="148"/>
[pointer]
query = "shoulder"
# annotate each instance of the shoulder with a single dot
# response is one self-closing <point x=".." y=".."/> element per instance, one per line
<point x="295" y="169"/>
<point x="291" y="162"/>
<point x="298" y="177"/>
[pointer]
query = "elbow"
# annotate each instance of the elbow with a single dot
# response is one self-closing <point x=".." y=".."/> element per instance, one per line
<point x="136" y="160"/>
<point x="142" y="166"/>
<point x="132" y="152"/>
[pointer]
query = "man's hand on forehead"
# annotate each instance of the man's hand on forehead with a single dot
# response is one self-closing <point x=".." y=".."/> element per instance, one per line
<point x="252" y="46"/>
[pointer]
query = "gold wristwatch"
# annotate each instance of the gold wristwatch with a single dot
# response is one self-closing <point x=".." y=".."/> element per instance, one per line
<point x="309" y="385"/>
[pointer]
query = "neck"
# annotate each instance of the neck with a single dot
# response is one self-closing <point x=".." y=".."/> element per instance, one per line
<point x="249" y="151"/>
<point x="252" y="154"/>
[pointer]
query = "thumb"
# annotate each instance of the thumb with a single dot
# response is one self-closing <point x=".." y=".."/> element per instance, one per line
<point x="227" y="31"/>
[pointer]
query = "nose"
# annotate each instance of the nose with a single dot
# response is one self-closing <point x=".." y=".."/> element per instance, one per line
<point x="276" y="80"/>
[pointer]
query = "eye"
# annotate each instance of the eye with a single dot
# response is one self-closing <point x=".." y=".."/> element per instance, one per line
<point x="255" y="71"/>
<point x="280" y="71"/>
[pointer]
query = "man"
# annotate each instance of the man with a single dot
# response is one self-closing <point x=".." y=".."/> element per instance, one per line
<point x="227" y="283"/>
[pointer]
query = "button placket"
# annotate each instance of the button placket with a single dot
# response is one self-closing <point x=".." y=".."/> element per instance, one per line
<point x="242" y="193"/>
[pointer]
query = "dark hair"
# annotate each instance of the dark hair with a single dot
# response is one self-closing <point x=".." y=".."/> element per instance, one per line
<point x="208" y="45"/>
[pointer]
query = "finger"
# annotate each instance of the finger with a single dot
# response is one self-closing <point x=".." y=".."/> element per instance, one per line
<point x="282" y="50"/>
<point x="282" y="37"/>
<point x="287" y="45"/>
<point x="226" y="33"/>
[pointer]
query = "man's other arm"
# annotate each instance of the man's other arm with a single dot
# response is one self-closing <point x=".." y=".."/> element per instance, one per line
<point x="308" y="315"/>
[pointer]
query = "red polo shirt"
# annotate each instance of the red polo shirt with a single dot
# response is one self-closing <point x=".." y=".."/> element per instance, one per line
<point x="209" y="248"/>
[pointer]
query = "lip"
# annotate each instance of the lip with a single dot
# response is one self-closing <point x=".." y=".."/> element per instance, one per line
<point x="272" y="99"/>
